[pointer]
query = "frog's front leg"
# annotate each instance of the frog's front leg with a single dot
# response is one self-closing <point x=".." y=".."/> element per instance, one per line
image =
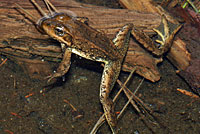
<point x="109" y="77"/>
<point x="63" y="67"/>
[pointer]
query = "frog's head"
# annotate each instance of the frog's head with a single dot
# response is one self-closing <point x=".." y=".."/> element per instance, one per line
<point x="58" y="26"/>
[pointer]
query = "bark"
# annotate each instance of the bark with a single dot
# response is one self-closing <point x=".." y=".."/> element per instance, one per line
<point x="14" y="26"/>
<point x="185" y="51"/>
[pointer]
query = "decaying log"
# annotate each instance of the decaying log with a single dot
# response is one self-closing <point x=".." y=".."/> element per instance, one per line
<point x="185" y="51"/>
<point x="179" y="54"/>
<point x="46" y="50"/>
<point x="139" y="5"/>
<point x="107" y="20"/>
<point x="104" y="19"/>
<point x="147" y="6"/>
<point x="14" y="26"/>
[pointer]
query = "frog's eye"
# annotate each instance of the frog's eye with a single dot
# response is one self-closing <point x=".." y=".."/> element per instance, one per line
<point x="59" y="30"/>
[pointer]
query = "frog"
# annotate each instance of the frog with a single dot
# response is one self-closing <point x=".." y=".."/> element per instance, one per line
<point x="76" y="36"/>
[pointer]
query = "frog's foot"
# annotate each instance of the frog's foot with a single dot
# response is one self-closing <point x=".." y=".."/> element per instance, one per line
<point x="110" y="115"/>
<point x="166" y="38"/>
<point x="63" y="67"/>
<point x="165" y="35"/>
<point x="149" y="44"/>
<point x="54" y="75"/>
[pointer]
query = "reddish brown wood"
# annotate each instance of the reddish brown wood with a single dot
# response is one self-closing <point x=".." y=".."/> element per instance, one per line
<point x="13" y="25"/>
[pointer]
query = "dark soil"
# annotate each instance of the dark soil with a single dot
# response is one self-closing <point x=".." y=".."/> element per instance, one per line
<point x="48" y="113"/>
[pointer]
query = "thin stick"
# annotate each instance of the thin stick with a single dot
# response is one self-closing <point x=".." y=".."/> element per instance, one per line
<point x="129" y="77"/>
<point x="138" y="100"/>
<point x="27" y="13"/>
<point x="130" y="99"/>
<point x="4" y="61"/>
<point x="52" y="6"/>
<point x="70" y="105"/>
<point x="48" y="7"/>
<point x="102" y="118"/>
<point x="39" y="8"/>
<point x="128" y="95"/>
<point x="143" y="106"/>
<point x="188" y="93"/>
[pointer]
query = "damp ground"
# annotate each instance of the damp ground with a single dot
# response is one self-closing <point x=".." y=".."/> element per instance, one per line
<point x="47" y="112"/>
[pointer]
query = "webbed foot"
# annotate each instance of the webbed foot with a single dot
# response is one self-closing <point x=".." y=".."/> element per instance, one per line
<point x="54" y="75"/>
<point x="166" y="38"/>
<point x="165" y="42"/>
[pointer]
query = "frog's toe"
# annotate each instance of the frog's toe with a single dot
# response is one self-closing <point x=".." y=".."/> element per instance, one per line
<point x="166" y="36"/>
<point x="50" y="77"/>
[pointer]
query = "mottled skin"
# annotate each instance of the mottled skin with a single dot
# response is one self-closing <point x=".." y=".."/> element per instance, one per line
<point x="77" y="37"/>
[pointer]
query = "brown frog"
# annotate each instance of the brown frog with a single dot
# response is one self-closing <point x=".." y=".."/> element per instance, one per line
<point x="77" y="37"/>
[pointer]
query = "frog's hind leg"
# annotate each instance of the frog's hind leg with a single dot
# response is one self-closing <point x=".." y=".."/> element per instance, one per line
<point x="165" y="42"/>
<point x="109" y="77"/>
<point x="111" y="73"/>
<point x="121" y="39"/>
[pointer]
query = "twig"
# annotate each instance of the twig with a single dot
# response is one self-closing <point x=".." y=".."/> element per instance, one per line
<point x="102" y="118"/>
<point x="145" y="108"/>
<point x="29" y="95"/>
<point x="15" y="114"/>
<point x="34" y="19"/>
<point x="193" y="6"/>
<point x="188" y="93"/>
<point x="4" y="61"/>
<point x="130" y="99"/>
<point x="70" y="105"/>
<point x="127" y="91"/>
<point x="138" y="100"/>
<point x="8" y="131"/>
